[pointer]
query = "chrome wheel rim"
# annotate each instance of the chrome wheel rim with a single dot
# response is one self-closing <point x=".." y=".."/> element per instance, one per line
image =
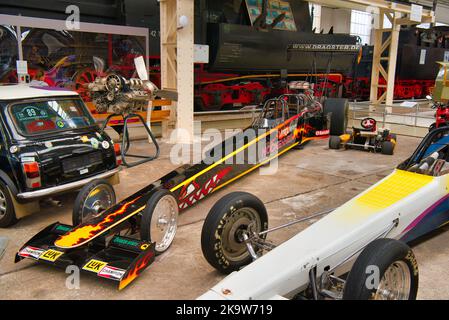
<point x="164" y="222"/>
<point x="99" y="199"/>
<point x="233" y="244"/>
<point x="395" y="283"/>
<point x="3" y="204"/>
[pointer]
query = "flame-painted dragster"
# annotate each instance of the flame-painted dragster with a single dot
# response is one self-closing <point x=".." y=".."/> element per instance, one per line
<point x="118" y="241"/>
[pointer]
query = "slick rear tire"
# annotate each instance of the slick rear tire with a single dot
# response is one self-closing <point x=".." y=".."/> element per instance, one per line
<point x="92" y="200"/>
<point x="7" y="212"/>
<point x="334" y="142"/>
<point x="221" y="237"/>
<point x="160" y="220"/>
<point x="385" y="270"/>
<point x="387" y="147"/>
<point x="338" y="108"/>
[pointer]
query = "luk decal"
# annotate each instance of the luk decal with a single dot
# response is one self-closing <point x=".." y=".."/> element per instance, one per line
<point x="94" y="265"/>
<point x="51" y="255"/>
<point x="111" y="273"/>
<point x="31" y="252"/>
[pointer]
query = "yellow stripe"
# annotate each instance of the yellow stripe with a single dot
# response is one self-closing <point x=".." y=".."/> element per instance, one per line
<point x="225" y="158"/>
<point x="255" y="167"/>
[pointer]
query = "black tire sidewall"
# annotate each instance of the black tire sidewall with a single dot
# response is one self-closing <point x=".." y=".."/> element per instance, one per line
<point x="211" y="234"/>
<point x="387" y="147"/>
<point x="381" y="253"/>
<point x="81" y="197"/>
<point x="338" y="108"/>
<point x="334" y="142"/>
<point x="10" y="216"/>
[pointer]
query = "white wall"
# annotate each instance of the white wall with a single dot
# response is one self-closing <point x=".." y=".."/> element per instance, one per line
<point x="340" y="19"/>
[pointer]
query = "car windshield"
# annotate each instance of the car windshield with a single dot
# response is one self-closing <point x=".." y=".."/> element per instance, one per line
<point x="47" y="116"/>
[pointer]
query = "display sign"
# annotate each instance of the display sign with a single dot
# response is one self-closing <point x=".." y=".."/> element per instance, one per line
<point x="201" y="53"/>
<point x="324" y="47"/>
<point x="274" y="9"/>
<point x="416" y="13"/>
<point x="422" y="57"/>
<point x="22" y="67"/>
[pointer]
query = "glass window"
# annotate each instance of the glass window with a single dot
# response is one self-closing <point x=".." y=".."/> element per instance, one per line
<point x="49" y="116"/>
<point x="361" y="25"/>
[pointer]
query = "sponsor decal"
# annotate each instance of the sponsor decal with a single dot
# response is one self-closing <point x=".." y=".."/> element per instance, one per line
<point x="60" y="124"/>
<point x="111" y="273"/>
<point x="84" y="139"/>
<point x="144" y="246"/>
<point x="63" y="228"/>
<point x="51" y="255"/>
<point x="322" y="132"/>
<point x="126" y="242"/>
<point x="31" y="252"/>
<point x="190" y="195"/>
<point x="94" y="265"/>
<point x="94" y="142"/>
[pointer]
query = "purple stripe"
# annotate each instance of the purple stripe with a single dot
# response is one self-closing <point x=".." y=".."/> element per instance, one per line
<point x="50" y="88"/>
<point x="425" y="213"/>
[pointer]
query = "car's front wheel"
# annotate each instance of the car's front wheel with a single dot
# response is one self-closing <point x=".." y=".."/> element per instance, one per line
<point x="7" y="212"/>
<point x="385" y="270"/>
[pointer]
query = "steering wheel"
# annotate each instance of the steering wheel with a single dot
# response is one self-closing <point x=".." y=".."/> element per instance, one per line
<point x="368" y="123"/>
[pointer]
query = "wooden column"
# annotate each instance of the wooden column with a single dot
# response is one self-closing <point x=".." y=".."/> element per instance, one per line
<point x="185" y="49"/>
<point x="168" y="24"/>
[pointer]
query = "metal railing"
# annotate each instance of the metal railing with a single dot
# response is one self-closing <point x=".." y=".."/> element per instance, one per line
<point x="401" y="119"/>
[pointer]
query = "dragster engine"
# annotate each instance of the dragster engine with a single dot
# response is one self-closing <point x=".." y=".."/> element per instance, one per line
<point x="115" y="94"/>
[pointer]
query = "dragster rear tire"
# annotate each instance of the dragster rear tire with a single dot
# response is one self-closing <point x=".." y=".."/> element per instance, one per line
<point x="338" y="108"/>
<point x="221" y="246"/>
<point x="383" y="261"/>
<point x="160" y="220"/>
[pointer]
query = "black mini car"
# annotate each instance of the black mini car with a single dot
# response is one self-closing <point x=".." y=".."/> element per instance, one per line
<point x="49" y="144"/>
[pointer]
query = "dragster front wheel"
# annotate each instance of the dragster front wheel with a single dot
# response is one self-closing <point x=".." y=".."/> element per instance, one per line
<point x="222" y="237"/>
<point x="95" y="197"/>
<point x="385" y="270"/>
<point x="160" y="220"/>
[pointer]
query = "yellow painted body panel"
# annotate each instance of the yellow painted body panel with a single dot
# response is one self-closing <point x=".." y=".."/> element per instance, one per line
<point x="396" y="187"/>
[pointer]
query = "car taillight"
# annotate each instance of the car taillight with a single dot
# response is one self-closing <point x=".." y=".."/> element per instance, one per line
<point x="32" y="174"/>
<point x="117" y="153"/>
<point x="31" y="170"/>
<point x="117" y="149"/>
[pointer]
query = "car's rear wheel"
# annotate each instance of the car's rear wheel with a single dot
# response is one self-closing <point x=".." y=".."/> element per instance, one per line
<point x="387" y="147"/>
<point x="7" y="212"/>
<point x="334" y="142"/>
<point x="95" y="197"/>
<point x="385" y="270"/>
<point x="222" y="240"/>
<point x="338" y="108"/>
<point x="160" y="220"/>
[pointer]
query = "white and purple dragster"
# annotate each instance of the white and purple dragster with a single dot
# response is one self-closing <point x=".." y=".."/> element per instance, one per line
<point x="356" y="251"/>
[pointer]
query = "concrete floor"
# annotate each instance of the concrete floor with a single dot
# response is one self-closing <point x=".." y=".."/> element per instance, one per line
<point x="309" y="180"/>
